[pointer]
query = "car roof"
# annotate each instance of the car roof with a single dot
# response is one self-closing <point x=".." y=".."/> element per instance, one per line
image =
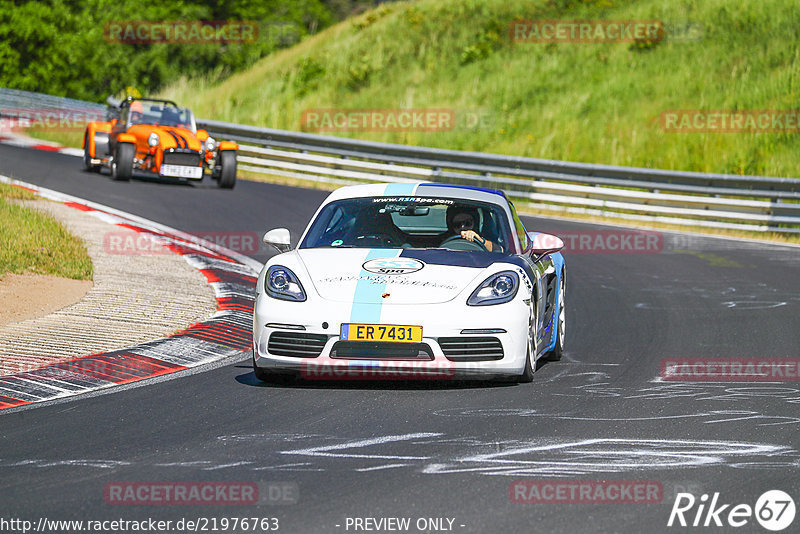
<point x="420" y="189"/>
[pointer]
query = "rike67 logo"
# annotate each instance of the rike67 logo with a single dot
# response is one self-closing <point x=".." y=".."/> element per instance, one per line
<point x="774" y="510"/>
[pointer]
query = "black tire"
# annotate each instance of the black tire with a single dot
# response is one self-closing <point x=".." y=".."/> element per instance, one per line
<point x="122" y="166"/>
<point x="273" y="377"/>
<point x="87" y="158"/>
<point x="260" y="373"/>
<point x="558" y="351"/>
<point x="530" y="360"/>
<point x="227" y="173"/>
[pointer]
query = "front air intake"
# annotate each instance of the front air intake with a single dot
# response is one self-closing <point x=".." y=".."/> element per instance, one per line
<point x="471" y="349"/>
<point x="296" y="344"/>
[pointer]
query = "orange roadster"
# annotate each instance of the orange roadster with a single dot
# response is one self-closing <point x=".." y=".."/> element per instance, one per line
<point x="159" y="138"/>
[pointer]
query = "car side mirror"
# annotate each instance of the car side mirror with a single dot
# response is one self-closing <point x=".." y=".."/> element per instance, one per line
<point x="280" y="238"/>
<point x="542" y="244"/>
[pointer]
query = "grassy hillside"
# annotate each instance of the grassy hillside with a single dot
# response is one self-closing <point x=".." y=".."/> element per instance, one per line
<point x="573" y="101"/>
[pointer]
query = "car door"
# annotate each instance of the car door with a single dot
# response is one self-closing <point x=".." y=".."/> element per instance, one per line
<point x="537" y="270"/>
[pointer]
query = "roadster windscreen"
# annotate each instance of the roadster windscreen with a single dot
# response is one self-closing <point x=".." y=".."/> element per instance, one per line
<point x="161" y="115"/>
<point x="417" y="222"/>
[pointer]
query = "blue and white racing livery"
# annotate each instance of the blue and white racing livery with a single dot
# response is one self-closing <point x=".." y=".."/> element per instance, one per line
<point x="411" y="280"/>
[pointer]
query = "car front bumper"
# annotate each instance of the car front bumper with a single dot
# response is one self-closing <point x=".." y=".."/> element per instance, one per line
<point x="445" y="325"/>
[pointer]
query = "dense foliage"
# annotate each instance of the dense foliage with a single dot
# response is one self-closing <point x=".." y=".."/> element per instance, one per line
<point x="62" y="47"/>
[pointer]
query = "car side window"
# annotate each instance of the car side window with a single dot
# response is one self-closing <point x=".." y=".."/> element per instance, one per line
<point x="519" y="228"/>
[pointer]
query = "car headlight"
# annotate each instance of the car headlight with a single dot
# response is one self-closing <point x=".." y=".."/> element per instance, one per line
<point x="499" y="288"/>
<point x="281" y="283"/>
<point x="153" y="139"/>
<point x="210" y="144"/>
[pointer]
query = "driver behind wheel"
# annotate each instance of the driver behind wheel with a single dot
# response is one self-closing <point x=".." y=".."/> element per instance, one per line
<point x="137" y="112"/>
<point x="461" y="221"/>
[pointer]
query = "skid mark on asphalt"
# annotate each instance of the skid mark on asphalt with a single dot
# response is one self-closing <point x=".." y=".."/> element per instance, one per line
<point x="713" y="416"/>
<point x="695" y="390"/>
<point x="335" y="451"/>
<point x="440" y="454"/>
<point x="546" y="457"/>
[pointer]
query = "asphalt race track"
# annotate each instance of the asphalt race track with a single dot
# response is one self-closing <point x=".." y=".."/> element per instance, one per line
<point x="444" y="450"/>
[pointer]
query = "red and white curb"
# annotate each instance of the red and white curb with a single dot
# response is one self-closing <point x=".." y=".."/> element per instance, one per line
<point x="226" y="333"/>
<point x="14" y="139"/>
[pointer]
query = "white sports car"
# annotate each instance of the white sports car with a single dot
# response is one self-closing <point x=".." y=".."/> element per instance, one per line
<point x="410" y="281"/>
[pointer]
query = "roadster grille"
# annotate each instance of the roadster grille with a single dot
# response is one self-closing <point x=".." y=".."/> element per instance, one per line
<point x="190" y="158"/>
<point x="360" y="350"/>
<point x="296" y="344"/>
<point x="468" y="349"/>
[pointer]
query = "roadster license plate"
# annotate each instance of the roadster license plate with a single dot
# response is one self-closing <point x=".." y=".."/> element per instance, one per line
<point x="381" y="332"/>
<point x="181" y="171"/>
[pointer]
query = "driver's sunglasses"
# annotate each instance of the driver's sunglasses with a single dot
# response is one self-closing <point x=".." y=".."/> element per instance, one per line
<point x="463" y="223"/>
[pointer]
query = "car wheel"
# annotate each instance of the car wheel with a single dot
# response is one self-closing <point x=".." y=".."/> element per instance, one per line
<point x="558" y="351"/>
<point x="530" y="356"/>
<point x="270" y="376"/>
<point x="87" y="158"/>
<point x="260" y="373"/>
<point x="227" y="173"/>
<point x="122" y="166"/>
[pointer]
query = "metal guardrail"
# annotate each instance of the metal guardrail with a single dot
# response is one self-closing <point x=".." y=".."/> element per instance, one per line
<point x="758" y="203"/>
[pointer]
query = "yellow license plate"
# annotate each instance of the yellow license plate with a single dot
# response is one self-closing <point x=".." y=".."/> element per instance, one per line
<point x="381" y="332"/>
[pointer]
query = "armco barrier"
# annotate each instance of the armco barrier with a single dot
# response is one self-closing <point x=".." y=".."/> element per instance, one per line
<point x="756" y="203"/>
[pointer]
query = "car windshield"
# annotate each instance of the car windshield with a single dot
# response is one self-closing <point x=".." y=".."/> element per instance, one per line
<point x="161" y="114"/>
<point x="411" y="222"/>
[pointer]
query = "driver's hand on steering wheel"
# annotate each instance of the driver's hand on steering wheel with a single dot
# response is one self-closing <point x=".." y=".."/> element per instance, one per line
<point x="472" y="235"/>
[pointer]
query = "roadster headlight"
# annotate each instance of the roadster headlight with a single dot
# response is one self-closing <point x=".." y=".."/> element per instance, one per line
<point x="210" y="144"/>
<point x="499" y="288"/>
<point x="153" y="139"/>
<point x="281" y="283"/>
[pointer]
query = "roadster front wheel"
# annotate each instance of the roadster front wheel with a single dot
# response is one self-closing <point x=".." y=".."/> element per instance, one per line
<point x="122" y="166"/>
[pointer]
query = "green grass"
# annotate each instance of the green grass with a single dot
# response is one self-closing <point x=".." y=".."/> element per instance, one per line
<point x="70" y="138"/>
<point x="580" y="102"/>
<point x="34" y="242"/>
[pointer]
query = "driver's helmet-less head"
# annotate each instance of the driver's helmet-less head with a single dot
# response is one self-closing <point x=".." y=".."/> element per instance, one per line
<point x="137" y="111"/>
<point x="460" y="218"/>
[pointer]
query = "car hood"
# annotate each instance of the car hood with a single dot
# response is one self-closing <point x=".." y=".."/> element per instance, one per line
<point x="394" y="276"/>
<point x="169" y="136"/>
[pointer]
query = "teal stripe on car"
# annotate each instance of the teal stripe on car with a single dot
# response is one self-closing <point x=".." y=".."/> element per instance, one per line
<point x="400" y="190"/>
<point x="368" y="297"/>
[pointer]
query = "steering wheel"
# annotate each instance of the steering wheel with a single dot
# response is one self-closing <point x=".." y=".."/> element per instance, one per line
<point x="463" y="244"/>
<point x="383" y="239"/>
